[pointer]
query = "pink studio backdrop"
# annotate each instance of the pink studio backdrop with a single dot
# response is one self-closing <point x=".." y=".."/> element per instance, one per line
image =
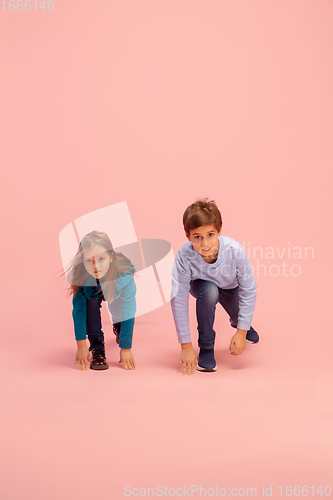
<point x="157" y="103"/>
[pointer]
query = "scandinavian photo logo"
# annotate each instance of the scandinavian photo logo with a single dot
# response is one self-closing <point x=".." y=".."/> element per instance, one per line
<point x="152" y="258"/>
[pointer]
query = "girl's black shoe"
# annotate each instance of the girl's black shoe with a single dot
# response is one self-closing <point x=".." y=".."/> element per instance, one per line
<point x="98" y="351"/>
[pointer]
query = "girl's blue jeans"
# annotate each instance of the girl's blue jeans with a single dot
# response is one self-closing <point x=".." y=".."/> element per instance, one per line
<point x="208" y="295"/>
<point x="94" y="322"/>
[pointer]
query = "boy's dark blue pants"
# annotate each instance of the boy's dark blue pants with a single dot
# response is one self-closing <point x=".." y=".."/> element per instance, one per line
<point x="208" y="295"/>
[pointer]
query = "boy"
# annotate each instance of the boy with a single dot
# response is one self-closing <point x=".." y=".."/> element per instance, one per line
<point x="212" y="268"/>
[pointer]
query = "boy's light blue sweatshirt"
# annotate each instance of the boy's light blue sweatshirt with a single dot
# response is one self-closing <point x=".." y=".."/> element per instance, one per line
<point x="231" y="269"/>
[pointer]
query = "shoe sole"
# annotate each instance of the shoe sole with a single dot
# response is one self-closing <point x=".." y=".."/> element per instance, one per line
<point x="99" y="367"/>
<point x="201" y="369"/>
<point x="251" y="342"/>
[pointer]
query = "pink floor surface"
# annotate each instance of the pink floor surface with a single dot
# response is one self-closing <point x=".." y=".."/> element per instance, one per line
<point x="262" y="420"/>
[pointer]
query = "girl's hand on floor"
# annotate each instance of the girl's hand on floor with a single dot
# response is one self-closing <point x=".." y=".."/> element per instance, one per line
<point x="127" y="358"/>
<point x="82" y="358"/>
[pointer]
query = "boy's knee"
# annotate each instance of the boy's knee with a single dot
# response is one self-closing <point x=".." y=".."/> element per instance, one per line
<point x="209" y="292"/>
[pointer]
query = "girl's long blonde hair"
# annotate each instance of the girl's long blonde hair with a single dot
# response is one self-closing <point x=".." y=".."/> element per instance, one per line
<point x="78" y="275"/>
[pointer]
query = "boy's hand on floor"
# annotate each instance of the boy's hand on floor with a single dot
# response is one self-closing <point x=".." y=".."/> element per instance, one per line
<point x="238" y="342"/>
<point x="82" y="358"/>
<point x="127" y="358"/>
<point x="188" y="359"/>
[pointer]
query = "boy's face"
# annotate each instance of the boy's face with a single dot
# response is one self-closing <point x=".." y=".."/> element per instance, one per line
<point x="205" y="241"/>
<point x="97" y="261"/>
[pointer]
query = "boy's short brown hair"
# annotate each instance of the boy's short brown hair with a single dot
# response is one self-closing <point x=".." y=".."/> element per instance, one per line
<point x="203" y="212"/>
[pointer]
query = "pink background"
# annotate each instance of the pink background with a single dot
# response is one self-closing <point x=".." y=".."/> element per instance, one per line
<point x="157" y="103"/>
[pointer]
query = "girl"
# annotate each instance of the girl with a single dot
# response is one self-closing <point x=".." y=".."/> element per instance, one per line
<point x="98" y="273"/>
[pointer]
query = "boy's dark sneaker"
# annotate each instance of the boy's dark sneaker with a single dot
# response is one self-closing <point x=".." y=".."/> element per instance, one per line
<point x="252" y="337"/>
<point x="116" y="331"/>
<point x="98" y="351"/>
<point x="206" y="361"/>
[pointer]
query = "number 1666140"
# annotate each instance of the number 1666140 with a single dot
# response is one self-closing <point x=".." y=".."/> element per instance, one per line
<point x="27" y="5"/>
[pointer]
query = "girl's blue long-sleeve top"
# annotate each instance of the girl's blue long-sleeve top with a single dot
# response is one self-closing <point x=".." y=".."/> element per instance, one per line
<point x="125" y="290"/>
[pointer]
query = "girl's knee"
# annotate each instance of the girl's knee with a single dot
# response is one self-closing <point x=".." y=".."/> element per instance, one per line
<point x="94" y="304"/>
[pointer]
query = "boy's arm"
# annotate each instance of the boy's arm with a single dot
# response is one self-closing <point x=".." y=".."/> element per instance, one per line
<point x="181" y="279"/>
<point x="247" y="290"/>
<point x="181" y="282"/>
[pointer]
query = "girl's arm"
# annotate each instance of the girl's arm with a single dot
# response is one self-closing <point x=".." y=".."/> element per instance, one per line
<point x="82" y="356"/>
<point x="80" y="314"/>
<point x="128" y="309"/>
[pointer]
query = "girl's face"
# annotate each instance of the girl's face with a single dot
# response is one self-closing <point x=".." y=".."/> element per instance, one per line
<point x="97" y="261"/>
